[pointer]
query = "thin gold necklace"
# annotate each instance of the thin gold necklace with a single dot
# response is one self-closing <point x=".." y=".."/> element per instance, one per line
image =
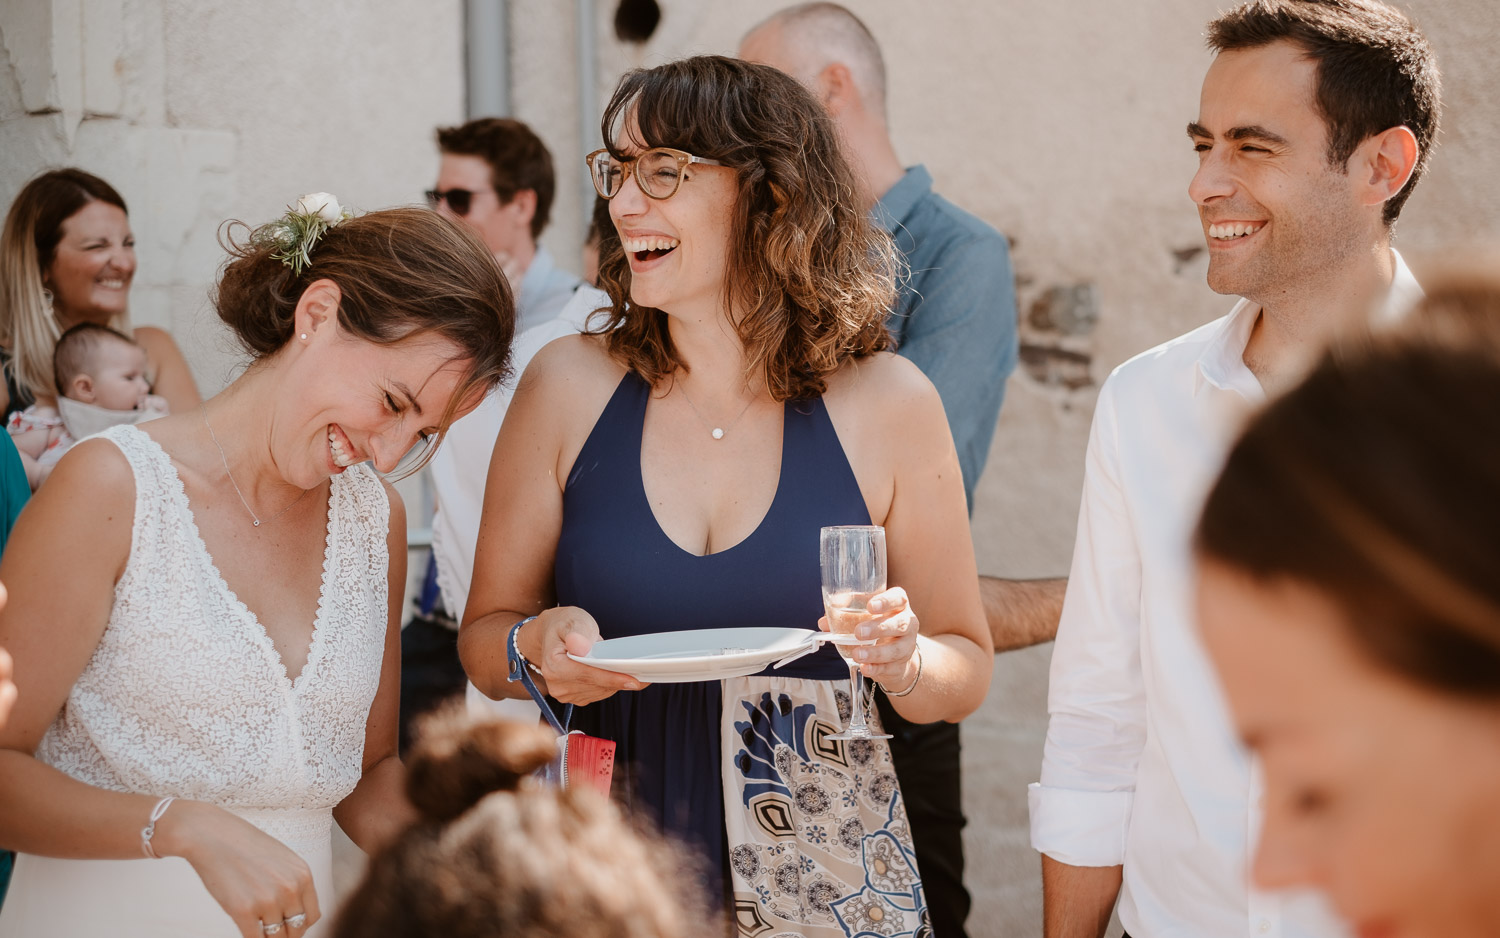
<point x="254" y="518"/>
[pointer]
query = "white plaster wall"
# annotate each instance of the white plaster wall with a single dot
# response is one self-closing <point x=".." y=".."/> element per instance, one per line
<point x="198" y="112"/>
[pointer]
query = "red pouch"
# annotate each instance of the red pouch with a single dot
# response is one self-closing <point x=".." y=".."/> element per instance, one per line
<point x="588" y="761"/>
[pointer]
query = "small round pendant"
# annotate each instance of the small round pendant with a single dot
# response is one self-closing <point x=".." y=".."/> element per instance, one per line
<point x="718" y="433"/>
<point x="256" y="523"/>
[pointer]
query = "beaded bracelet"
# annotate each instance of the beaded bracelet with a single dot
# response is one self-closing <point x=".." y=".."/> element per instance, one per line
<point x="914" y="681"/>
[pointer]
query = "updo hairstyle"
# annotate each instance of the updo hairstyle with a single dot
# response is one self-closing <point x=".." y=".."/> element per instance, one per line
<point x="811" y="275"/>
<point x="1377" y="482"/>
<point x="33" y="228"/>
<point x="496" y="853"/>
<point x="402" y="272"/>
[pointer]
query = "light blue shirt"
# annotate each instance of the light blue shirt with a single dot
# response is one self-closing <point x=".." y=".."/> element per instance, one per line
<point x="545" y="289"/>
<point x="955" y="316"/>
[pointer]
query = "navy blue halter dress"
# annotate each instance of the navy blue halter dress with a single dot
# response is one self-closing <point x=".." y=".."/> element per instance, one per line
<point x="798" y="833"/>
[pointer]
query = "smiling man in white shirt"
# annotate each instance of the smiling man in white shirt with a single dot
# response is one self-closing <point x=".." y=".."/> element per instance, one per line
<point x="1315" y="121"/>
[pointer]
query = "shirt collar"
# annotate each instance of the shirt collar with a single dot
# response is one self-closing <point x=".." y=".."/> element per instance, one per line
<point x="901" y="198"/>
<point x="536" y="274"/>
<point x="533" y="282"/>
<point x="1222" y="363"/>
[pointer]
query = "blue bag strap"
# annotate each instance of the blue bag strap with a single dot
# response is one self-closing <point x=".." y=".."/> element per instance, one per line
<point x="520" y="670"/>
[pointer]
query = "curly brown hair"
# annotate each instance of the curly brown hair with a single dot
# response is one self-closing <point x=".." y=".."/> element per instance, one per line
<point x="813" y="276"/>
<point x="497" y="854"/>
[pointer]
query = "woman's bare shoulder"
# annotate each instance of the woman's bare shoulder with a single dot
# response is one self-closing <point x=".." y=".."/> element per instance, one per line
<point x="90" y="495"/>
<point x="573" y="369"/>
<point x="576" y="351"/>
<point x="154" y="339"/>
<point x="884" y="383"/>
<point x="98" y="465"/>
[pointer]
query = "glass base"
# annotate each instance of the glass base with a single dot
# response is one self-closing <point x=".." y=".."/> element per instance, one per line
<point x="861" y="733"/>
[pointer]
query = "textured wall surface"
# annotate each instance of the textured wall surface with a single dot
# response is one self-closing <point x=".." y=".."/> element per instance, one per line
<point x="1061" y="124"/>
<point x="198" y="112"/>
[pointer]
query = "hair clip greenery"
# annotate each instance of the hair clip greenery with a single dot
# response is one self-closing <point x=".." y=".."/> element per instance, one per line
<point x="296" y="233"/>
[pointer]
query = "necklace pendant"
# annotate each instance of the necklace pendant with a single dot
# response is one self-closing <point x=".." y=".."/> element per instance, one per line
<point x="718" y="433"/>
<point x="255" y="522"/>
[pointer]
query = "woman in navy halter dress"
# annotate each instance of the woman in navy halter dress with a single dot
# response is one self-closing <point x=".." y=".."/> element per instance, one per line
<point x="607" y="479"/>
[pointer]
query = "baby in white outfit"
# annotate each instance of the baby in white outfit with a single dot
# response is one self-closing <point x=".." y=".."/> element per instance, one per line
<point x="101" y="382"/>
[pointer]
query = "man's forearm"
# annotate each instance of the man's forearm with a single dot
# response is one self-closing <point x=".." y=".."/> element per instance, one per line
<point x="1022" y="613"/>
<point x="1077" y="900"/>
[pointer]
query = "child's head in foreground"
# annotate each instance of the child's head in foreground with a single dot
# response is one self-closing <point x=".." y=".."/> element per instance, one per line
<point x="94" y="364"/>
<point x="496" y="853"/>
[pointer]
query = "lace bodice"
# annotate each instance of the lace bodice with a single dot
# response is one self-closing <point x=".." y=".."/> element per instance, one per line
<point x="186" y="695"/>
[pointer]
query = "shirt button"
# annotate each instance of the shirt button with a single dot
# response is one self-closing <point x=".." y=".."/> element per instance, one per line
<point x="1265" y="926"/>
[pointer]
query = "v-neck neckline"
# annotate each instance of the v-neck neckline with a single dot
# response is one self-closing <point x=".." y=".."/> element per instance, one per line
<point x="760" y="525"/>
<point x="257" y="631"/>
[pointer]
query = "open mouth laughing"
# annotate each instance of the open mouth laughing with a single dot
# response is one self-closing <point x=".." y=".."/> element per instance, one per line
<point x="643" y="250"/>
<point x="340" y="448"/>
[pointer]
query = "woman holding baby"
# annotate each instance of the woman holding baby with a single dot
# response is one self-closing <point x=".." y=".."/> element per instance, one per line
<point x="67" y="256"/>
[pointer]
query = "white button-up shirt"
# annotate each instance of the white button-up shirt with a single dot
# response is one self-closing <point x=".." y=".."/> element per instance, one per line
<point x="461" y="465"/>
<point x="1142" y="763"/>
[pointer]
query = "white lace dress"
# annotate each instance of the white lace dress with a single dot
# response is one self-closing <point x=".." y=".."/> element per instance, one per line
<point x="186" y="695"/>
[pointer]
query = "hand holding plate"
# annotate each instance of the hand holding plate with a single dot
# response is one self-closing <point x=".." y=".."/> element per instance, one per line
<point x="546" y="643"/>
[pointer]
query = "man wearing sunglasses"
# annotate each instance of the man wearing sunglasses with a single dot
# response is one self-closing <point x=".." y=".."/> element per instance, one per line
<point x="495" y="175"/>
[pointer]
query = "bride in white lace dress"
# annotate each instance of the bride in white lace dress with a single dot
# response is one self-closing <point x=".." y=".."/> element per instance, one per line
<point x="205" y="608"/>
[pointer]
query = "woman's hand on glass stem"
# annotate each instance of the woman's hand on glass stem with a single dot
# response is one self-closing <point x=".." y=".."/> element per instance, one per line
<point x="894" y="627"/>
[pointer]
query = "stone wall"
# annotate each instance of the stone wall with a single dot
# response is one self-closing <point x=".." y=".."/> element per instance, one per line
<point x="198" y="112"/>
<point x="1061" y="124"/>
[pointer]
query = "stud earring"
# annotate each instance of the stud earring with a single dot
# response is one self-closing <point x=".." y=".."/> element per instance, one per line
<point x="304" y="337"/>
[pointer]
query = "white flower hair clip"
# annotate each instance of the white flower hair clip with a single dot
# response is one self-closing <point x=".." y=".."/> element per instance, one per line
<point x="296" y="233"/>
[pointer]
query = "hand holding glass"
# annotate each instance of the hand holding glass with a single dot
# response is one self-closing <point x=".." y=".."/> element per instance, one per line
<point x="853" y="558"/>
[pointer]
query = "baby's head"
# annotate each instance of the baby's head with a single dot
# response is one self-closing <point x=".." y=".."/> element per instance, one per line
<point x="96" y="365"/>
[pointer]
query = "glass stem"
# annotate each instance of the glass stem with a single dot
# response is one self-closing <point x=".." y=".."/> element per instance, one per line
<point x="857" y="700"/>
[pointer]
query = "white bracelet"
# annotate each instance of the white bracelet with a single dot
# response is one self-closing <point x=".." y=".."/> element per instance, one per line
<point x="149" y="830"/>
<point x="914" y="680"/>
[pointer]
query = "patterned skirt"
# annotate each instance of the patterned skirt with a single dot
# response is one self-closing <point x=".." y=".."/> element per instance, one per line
<point x="819" y="844"/>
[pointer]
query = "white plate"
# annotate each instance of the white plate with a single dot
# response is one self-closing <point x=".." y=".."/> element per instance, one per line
<point x="700" y="654"/>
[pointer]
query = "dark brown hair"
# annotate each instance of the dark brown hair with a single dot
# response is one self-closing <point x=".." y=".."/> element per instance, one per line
<point x="1377" y="481"/>
<point x="71" y="357"/>
<point x="33" y="228"/>
<point x="402" y="272"/>
<point x="813" y="277"/>
<point x="496" y="854"/>
<point x="518" y="160"/>
<point x="1375" y="70"/>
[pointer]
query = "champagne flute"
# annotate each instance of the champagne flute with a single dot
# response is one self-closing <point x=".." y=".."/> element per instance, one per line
<point x="853" y="559"/>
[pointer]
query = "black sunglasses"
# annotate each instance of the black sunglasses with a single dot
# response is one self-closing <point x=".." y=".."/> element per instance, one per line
<point x="459" y="200"/>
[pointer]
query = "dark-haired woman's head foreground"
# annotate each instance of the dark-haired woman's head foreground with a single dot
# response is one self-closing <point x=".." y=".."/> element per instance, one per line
<point x="1350" y="596"/>
<point x="496" y="853"/>
<point x="806" y="279"/>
